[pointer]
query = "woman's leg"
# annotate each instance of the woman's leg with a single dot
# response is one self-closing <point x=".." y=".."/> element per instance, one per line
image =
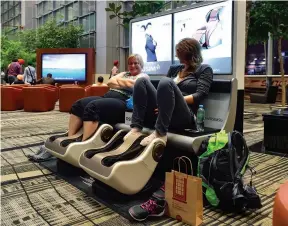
<point x="77" y="110"/>
<point x="173" y="110"/>
<point x="144" y="103"/>
<point x="108" y="110"/>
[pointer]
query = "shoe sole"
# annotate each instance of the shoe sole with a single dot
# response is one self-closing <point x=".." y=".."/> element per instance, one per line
<point x="152" y="215"/>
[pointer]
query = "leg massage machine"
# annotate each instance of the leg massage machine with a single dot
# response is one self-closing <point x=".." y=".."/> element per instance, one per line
<point x="127" y="166"/>
<point x="70" y="148"/>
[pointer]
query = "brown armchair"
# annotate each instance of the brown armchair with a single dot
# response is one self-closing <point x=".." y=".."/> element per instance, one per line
<point x="11" y="98"/>
<point x="39" y="99"/>
<point x="68" y="96"/>
<point x="96" y="90"/>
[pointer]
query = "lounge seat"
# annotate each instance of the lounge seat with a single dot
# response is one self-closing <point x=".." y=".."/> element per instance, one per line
<point x="220" y="110"/>
<point x="96" y="90"/>
<point x="39" y="99"/>
<point x="12" y="98"/>
<point x="68" y="96"/>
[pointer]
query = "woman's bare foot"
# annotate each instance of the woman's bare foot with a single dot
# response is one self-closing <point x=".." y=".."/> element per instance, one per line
<point x="151" y="137"/>
<point x="134" y="131"/>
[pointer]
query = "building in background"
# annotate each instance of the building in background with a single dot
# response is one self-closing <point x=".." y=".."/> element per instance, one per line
<point x="70" y="12"/>
<point x="17" y="15"/>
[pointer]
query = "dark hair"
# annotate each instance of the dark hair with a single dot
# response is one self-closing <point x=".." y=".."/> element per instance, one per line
<point x="148" y="25"/>
<point x="14" y="60"/>
<point x="189" y="49"/>
<point x="100" y="79"/>
<point x="49" y="75"/>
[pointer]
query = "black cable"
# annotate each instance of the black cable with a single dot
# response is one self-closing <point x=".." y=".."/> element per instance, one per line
<point x="29" y="200"/>
<point x="58" y="191"/>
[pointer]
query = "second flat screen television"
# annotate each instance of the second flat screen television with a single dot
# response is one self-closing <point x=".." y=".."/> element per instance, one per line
<point x="66" y="67"/>
<point x="211" y="26"/>
<point x="151" y="39"/>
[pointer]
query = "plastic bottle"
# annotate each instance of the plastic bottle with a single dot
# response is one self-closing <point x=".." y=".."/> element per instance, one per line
<point x="200" y="118"/>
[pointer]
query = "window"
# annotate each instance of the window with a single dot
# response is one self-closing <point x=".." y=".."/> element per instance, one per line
<point x="75" y="9"/>
<point x="17" y="9"/>
<point x="69" y="11"/>
<point x="17" y="21"/>
<point x="40" y="9"/>
<point x="39" y="21"/>
<point x="5" y="6"/>
<point x="10" y="4"/>
<point x="88" y="41"/>
<point x="6" y="16"/>
<point x="59" y="15"/>
<point x="88" y="23"/>
<point x="58" y="4"/>
<point x="87" y="7"/>
<point x="11" y="13"/>
<point x="48" y="6"/>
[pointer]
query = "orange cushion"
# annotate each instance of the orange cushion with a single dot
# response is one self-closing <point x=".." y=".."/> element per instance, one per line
<point x="280" y="209"/>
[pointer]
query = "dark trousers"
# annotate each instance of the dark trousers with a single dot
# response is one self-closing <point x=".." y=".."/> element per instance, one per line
<point x="11" y="79"/>
<point x="108" y="109"/>
<point x="173" y="113"/>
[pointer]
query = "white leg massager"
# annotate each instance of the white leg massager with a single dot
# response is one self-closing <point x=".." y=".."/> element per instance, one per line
<point x="126" y="166"/>
<point x="73" y="150"/>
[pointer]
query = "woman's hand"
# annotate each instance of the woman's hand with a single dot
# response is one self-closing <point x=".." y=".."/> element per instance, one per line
<point x="156" y="111"/>
<point x="189" y="99"/>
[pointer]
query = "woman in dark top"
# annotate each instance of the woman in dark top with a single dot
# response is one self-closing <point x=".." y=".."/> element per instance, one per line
<point x="176" y="100"/>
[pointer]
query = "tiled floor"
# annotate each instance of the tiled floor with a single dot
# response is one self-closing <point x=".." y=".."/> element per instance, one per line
<point x="21" y="129"/>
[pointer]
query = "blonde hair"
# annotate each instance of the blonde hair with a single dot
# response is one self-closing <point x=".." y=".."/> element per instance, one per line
<point x="20" y="77"/>
<point x="138" y="58"/>
<point x="189" y="49"/>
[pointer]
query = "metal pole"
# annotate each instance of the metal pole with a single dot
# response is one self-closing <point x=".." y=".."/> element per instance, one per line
<point x="269" y="59"/>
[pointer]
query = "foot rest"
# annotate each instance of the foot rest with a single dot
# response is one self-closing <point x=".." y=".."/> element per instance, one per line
<point x="54" y="137"/>
<point x="126" y="168"/>
<point x="72" y="150"/>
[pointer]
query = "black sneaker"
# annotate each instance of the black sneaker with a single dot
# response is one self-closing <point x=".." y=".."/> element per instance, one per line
<point x="153" y="207"/>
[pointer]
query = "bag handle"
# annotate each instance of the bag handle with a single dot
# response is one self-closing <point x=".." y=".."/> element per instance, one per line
<point x="183" y="158"/>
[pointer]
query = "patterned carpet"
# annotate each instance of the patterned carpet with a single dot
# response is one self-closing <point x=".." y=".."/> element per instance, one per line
<point x="23" y="133"/>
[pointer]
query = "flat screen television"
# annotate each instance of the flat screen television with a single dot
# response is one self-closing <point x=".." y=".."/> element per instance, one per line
<point x="211" y="25"/>
<point x="151" y="39"/>
<point x="66" y="67"/>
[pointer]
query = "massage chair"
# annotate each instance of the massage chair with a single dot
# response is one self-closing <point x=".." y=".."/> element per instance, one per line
<point x="125" y="166"/>
<point x="70" y="148"/>
<point x="210" y="35"/>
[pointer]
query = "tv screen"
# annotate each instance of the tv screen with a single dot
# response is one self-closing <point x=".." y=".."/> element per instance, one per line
<point x="151" y="39"/>
<point x="211" y="25"/>
<point x="65" y="67"/>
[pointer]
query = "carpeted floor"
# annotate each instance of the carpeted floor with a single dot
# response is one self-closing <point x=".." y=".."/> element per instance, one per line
<point x="23" y="133"/>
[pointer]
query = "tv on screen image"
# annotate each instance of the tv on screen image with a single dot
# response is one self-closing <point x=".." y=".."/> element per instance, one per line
<point x="151" y="39"/>
<point x="64" y="67"/>
<point x="211" y="26"/>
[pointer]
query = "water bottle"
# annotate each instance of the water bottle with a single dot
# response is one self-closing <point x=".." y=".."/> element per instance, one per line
<point x="200" y="118"/>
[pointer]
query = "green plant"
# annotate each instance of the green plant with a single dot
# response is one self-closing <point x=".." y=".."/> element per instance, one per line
<point x="270" y="16"/>
<point x="23" y="44"/>
<point x="138" y="9"/>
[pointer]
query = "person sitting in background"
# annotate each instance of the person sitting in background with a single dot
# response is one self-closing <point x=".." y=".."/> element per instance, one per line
<point x="14" y="69"/>
<point x="47" y="80"/>
<point x="19" y="80"/>
<point x="30" y="74"/>
<point x="100" y="82"/>
<point x="114" y="70"/>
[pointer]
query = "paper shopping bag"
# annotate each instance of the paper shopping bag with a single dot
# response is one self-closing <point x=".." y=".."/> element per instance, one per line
<point x="183" y="194"/>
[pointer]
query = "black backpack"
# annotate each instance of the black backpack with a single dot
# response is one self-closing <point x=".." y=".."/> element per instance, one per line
<point x="222" y="162"/>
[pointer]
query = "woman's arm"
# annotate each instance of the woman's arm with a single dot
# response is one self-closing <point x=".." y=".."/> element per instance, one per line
<point x="118" y="81"/>
<point x="203" y="86"/>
